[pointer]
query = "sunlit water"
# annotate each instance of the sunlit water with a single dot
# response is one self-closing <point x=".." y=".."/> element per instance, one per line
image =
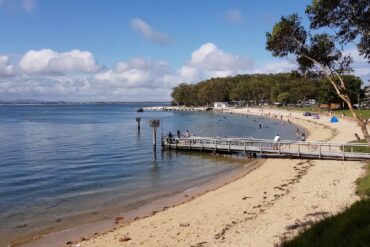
<point x="62" y="161"/>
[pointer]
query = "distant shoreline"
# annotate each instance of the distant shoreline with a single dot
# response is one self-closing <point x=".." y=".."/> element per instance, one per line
<point x="78" y="103"/>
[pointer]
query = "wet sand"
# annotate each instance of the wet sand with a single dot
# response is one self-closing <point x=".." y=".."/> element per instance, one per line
<point x="268" y="204"/>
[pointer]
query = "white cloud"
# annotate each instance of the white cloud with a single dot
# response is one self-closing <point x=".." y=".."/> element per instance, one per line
<point x="6" y="69"/>
<point x="75" y="75"/>
<point x="148" y="32"/>
<point x="278" y="66"/>
<point x="137" y="73"/>
<point x="210" y="61"/>
<point x="234" y="16"/>
<point x="50" y="62"/>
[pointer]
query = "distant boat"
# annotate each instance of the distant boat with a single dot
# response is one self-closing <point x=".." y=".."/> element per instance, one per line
<point x="140" y="110"/>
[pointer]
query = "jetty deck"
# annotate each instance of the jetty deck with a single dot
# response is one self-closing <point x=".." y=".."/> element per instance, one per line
<point x="268" y="148"/>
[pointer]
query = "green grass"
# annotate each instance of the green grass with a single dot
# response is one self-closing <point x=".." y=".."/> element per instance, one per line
<point x="363" y="113"/>
<point x="348" y="229"/>
<point x="363" y="184"/>
<point x="358" y="149"/>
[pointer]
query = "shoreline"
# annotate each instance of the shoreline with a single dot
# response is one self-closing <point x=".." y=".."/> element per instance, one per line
<point x="268" y="204"/>
<point x="89" y="230"/>
<point x="101" y="229"/>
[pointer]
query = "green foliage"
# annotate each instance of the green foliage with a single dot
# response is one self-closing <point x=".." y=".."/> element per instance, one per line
<point x="348" y="229"/>
<point x="350" y="19"/>
<point x="363" y="184"/>
<point x="285" y="88"/>
<point x="358" y="149"/>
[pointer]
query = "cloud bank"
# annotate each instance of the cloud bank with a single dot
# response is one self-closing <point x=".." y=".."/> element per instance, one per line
<point x="48" y="61"/>
<point x="76" y="75"/>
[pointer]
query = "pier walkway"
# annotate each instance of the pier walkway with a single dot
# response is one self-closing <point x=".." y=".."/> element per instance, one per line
<point x="268" y="148"/>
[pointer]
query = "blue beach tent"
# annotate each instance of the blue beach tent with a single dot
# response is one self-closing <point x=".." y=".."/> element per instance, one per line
<point x="334" y="119"/>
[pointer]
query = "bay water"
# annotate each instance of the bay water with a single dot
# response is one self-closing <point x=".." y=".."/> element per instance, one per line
<point x="62" y="162"/>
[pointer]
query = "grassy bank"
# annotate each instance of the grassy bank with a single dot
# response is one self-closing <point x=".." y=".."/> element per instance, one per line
<point x="348" y="229"/>
<point x="358" y="149"/>
<point x="363" y="184"/>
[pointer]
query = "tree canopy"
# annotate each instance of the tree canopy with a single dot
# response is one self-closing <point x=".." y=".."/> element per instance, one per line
<point x="286" y="88"/>
<point x="320" y="48"/>
<point x="350" y="19"/>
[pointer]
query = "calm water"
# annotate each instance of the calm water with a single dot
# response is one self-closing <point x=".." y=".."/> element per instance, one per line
<point x="59" y="162"/>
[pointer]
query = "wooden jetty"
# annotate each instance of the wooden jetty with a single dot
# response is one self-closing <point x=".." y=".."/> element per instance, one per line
<point x="268" y="148"/>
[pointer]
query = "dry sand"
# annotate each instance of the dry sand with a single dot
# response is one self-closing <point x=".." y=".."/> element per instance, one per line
<point x="270" y="203"/>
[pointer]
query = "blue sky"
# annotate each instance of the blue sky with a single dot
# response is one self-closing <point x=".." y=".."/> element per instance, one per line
<point x="125" y="50"/>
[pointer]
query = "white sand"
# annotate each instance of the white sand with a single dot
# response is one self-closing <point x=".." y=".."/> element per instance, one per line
<point x="274" y="201"/>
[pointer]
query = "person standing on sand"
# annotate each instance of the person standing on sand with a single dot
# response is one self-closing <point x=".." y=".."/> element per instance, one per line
<point x="276" y="141"/>
<point x="303" y="137"/>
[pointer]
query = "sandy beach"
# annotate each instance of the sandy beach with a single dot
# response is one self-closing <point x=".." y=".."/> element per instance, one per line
<point x="268" y="204"/>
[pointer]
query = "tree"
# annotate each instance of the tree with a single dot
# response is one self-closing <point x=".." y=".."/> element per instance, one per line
<point x="318" y="52"/>
<point x="350" y="19"/>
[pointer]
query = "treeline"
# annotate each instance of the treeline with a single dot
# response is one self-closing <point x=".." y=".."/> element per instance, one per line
<point x="285" y="88"/>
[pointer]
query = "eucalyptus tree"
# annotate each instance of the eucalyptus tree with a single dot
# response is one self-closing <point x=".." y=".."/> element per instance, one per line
<point x="322" y="50"/>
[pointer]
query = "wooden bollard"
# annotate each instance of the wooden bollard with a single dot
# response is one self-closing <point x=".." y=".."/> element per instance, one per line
<point x="154" y="124"/>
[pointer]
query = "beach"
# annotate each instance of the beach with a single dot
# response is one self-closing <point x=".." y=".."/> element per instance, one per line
<point x="273" y="202"/>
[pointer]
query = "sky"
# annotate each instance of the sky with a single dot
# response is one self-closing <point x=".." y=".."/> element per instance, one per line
<point x="134" y="50"/>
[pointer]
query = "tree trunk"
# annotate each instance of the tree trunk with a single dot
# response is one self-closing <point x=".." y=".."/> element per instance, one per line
<point x="360" y="122"/>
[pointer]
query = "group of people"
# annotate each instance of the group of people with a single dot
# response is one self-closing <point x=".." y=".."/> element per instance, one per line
<point x="179" y="134"/>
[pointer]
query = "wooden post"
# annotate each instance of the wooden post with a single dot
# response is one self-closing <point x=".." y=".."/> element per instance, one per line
<point x="245" y="146"/>
<point x="278" y="148"/>
<point x="154" y="124"/>
<point x="229" y="145"/>
<point x="261" y="147"/>
<point x="215" y="146"/>
<point x="154" y="137"/>
<point x="320" y="151"/>
<point x="344" y="156"/>
<point x="299" y="150"/>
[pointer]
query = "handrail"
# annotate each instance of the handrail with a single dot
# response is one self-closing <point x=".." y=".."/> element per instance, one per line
<point x="227" y="139"/>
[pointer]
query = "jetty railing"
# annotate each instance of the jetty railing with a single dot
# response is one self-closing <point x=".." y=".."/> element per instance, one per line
<point x="266" y="147"/>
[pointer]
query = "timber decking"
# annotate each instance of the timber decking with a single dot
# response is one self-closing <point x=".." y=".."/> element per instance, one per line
<point x="264" y="147"/>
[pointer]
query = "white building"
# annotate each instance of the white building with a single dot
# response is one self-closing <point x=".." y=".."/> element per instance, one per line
<point x="220" y="105"/>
